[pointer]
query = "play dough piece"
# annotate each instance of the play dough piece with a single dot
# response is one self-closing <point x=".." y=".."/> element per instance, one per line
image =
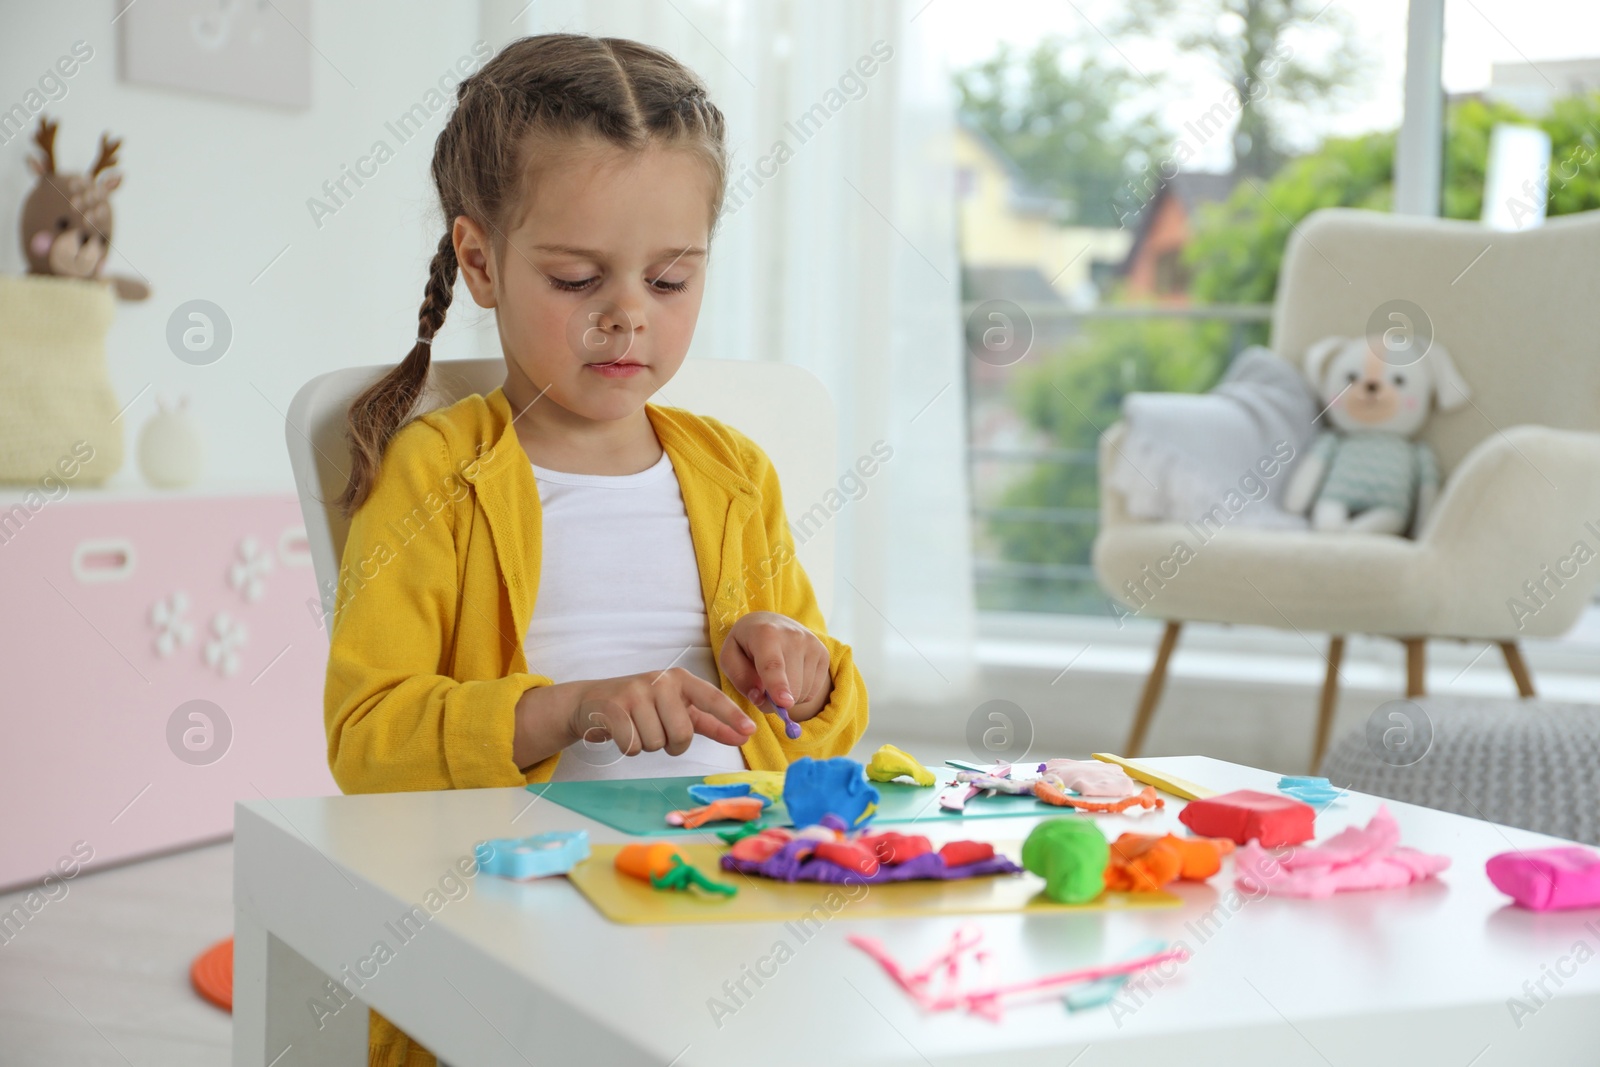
<point x="1048" y="791"/>
<point x="665" y="867"/>
<point x="936" y="985"/>
<point x="539" y="856"/>
<point x="889" y="763"/>
<point x="1547" y="879"/>
<point x="768" y="783"/>
<point x="732" y="809"/>
<point x="1090" y="778"/>
<point x="1071" y="856"/>
<point x="1199" y="857"/>
<point x="758" y="848"/>
<point x="1097" y="993"/>
<point x="955" y="798"/>
<point x="705" y="794"/>
<point x="994" y="783"/>
<point x="1246" y="815"/>
<point x="1368" y="857"/>
<point x="1318" y="792"/>
<point x="739" y="833"/>
<point x="961" y="853"/>
<point x="1202" y="856"/>
<point x="647" y="859"/>
<point x="795" y="862"/>
<point x="838" y="786"/>
<point x="892" y="848"/>
<point x="851" y="855"/>
<point x="1143" y="863"/>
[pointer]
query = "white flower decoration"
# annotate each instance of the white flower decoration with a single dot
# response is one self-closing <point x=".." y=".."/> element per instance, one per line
<point x="246" y="575"/>
<point x="222" y="653"/>
<point x="172" y="629"/>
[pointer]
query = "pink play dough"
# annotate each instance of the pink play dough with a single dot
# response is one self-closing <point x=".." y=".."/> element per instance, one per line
<point x="1548" y="878"/>
<point x="1369" y="857"/>
<point x="1092" y="778"/>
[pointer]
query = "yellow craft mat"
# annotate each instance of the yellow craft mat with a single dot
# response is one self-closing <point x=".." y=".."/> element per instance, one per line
<point x="625" y="899"/>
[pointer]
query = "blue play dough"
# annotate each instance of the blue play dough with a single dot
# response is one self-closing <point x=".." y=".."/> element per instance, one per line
<point x="838" y="786"/>
<point x="1103" y="991"/>
<point x="556" y="852"/>
<point x="1317" y="792"/>
<point x="705" y="794"/>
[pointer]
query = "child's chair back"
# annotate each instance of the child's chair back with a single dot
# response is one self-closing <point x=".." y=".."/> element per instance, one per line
<point x="795" y="429"/>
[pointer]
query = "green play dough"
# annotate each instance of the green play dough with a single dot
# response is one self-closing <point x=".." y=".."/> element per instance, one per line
<point x="1070" y="854"/>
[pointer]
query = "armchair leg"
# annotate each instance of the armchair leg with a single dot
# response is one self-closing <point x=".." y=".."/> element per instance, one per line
<point x="1330" y="701"/>
<point x="1416" y="666"/>
<point x="1518" y="668"/>
<point x="1152" y="690"/>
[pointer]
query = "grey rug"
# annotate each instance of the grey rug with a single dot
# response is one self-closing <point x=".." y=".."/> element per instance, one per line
<point x="1525" y="763"/>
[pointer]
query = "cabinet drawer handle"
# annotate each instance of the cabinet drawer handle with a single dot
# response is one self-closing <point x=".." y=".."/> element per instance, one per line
<point x="108" y="560"/>
<point x="294" y="548"/>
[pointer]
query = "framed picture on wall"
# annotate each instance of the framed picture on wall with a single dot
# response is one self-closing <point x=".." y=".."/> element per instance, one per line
<point x="249" y="49"/>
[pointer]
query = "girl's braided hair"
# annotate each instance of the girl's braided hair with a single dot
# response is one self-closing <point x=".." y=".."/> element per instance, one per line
<point x="513" y="118"/>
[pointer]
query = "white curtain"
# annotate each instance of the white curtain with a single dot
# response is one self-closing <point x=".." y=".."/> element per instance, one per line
<point x="841" y="259"/>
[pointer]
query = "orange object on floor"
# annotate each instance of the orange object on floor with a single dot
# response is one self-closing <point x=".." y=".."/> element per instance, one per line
<point x="212" y="974"/>
<point x="1051" y="793"/>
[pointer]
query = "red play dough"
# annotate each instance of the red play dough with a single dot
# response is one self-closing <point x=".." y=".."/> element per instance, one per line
<point x="851" y="855"/>
<point x="758" y="848"/>
<point x="1245" y="815"/>
<point x="961" y="853"/>
<point x="894" y="849"/>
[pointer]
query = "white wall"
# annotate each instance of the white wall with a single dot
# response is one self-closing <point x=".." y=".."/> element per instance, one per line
<point x="215" y="188"/>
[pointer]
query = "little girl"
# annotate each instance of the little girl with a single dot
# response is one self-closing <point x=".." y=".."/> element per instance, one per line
<point x="561" y="580"/>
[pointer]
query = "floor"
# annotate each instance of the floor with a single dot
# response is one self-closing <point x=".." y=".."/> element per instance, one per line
<point x="100" y="976"/>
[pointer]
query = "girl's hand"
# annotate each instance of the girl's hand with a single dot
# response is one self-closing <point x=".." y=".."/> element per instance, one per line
<point x="657" y="710"/>
<point x="772" y="652"/>
<point x="640" y="712"/>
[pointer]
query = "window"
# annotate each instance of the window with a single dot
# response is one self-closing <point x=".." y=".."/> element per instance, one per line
<point x="1175" y="173"/>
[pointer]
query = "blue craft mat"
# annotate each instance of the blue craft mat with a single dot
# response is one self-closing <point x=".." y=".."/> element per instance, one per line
<point x="640" y="805"/>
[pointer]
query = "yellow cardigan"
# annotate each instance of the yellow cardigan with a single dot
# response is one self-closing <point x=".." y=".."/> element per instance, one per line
<point x="438" y="582"/>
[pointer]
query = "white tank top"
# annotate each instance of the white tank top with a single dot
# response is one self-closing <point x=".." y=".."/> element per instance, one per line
<point x="619" y="593"/>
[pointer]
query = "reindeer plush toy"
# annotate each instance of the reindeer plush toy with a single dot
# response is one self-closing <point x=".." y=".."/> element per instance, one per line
<point x="66" y="220"/>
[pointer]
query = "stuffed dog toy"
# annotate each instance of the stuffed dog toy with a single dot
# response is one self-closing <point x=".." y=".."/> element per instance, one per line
<point x="1370" y="475"/>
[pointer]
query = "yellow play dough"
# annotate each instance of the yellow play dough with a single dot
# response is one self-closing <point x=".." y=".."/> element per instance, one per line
<point x="889" y="763"/>
<point x="768" y="783"/>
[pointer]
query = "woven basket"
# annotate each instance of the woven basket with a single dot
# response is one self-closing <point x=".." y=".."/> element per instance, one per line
<point x="55" y="395"/>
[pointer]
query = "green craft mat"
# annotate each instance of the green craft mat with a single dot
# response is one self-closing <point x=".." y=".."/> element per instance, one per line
<point x="640" y="805"/>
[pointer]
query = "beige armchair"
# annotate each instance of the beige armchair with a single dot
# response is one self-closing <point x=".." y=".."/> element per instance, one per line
<point x="1518" y="519"/>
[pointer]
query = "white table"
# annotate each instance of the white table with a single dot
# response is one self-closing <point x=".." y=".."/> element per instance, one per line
<point x="512" y="974"/>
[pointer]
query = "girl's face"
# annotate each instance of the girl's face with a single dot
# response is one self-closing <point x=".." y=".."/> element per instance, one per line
<point x="599" y="286"/>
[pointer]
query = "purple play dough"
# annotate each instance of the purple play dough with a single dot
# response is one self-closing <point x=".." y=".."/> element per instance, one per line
<point x="784" y="867"/>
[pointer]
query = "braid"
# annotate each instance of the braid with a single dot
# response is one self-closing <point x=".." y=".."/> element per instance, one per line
<point x="441" y="288"/>
<point x="376" y="414"/>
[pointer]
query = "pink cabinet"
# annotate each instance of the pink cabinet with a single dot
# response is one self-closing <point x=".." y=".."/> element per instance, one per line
<point x="164" y="657"/>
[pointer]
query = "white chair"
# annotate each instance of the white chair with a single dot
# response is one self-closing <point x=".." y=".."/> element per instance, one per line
<point x="1520" y="464"/>
<point x="783" y="408"/>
